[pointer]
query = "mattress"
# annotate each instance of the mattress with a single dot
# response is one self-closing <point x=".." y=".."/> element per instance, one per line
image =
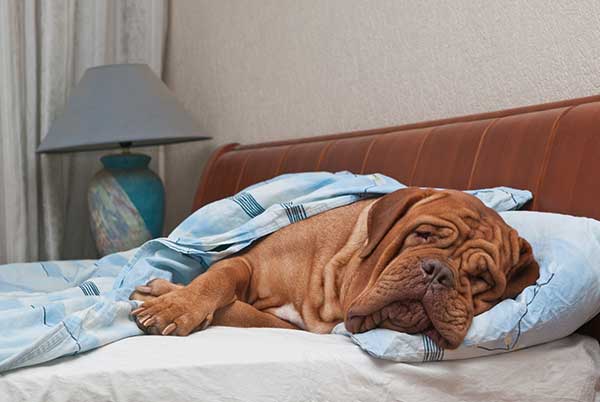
<point x="235" y="364"/>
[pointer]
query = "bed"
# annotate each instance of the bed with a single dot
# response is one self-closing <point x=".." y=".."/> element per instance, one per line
<point x="551" y="149"/>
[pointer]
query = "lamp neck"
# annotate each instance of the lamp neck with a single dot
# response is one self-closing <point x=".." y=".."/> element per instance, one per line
<point x="125" y="147"/>
<point x="125" y="161"/>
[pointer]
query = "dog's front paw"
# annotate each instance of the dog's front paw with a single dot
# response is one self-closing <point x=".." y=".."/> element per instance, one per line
<point x="179" y="312"/>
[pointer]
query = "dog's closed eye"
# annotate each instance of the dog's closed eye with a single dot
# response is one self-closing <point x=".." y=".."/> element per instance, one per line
<point x="425" y="235"/>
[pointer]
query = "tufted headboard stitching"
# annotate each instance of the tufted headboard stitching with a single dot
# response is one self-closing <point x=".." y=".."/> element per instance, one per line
<point x="552" y="150"/>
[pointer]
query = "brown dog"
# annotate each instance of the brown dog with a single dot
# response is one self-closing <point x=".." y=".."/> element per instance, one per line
<point x="416" y="260"/>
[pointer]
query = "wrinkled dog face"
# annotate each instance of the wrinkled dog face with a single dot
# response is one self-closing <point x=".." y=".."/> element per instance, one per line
<point x="436" y="259"/>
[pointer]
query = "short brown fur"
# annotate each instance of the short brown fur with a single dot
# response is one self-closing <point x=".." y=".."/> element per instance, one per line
<point x="365" y="264"/>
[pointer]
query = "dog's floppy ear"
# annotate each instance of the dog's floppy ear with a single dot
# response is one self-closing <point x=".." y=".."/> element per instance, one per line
<point x="524" y="273"/>
<point x="386" y="211"/>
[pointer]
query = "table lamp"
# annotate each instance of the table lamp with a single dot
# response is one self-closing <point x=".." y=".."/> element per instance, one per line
<point x="122" y="106"/>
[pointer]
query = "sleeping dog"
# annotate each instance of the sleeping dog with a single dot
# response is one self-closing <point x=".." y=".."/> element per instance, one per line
<point x="415" y="260"/>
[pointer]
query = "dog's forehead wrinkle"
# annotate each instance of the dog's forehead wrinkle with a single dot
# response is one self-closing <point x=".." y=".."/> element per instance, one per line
<point x="456" y="222"/>
<point x="487" y="247"/>
<point x="428" y="219"/>
<point x="427" y="200"/>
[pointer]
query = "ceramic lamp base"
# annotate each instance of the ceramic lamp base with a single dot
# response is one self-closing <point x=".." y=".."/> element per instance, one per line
<point x="126" y="202"/>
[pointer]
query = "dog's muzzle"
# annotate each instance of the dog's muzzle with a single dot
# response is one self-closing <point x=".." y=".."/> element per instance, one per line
<point x="413" y="295"/>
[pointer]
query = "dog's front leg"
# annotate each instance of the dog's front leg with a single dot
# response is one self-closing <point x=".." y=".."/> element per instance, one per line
<point x="192" y="307"/>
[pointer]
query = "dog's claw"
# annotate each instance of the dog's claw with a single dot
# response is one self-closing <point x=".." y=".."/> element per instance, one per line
<point x="206" y="323"/>
<point x="138" y="310"/>
<point x="148" y="321"/>
<point x="169" y="329"/>
<point x="143" y="289"/>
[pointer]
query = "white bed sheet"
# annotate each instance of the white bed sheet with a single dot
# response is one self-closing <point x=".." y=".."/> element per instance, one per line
<point x="234" y="364"/>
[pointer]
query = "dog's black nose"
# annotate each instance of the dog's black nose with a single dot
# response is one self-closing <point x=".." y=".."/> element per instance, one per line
<point x="438" y="272"/>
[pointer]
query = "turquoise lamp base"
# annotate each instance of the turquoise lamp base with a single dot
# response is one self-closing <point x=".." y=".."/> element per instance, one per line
<point x="126" y="202"/>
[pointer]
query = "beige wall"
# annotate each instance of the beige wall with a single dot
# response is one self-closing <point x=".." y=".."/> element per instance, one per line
<point x="255" y="70"/>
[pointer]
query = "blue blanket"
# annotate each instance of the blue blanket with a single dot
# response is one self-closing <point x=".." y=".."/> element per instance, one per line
<point x="59" y="308"/>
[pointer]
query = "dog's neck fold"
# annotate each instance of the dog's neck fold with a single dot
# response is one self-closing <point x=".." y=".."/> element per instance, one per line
<point x="342" y="270"/>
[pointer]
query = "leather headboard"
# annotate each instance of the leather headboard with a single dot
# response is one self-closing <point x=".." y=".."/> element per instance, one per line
<point x="553" y="150"/>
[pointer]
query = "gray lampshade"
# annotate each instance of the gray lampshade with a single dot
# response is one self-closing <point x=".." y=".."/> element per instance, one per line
<point x="119" y="104"/>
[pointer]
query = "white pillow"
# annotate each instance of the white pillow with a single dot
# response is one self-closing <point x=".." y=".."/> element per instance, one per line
<point x="566" y="295"/>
